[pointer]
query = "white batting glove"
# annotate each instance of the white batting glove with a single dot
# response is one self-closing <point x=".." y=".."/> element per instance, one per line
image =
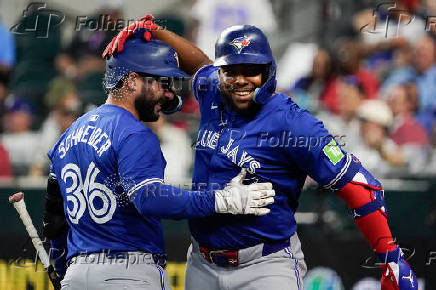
<point x="237" y="198"/>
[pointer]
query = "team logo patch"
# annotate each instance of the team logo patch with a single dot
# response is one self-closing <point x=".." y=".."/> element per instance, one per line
<point x="240" y="42"/>
<point x="93" y="118"/>
<point x="333" y="152"/>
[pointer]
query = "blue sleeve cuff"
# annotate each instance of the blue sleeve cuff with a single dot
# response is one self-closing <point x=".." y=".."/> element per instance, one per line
<point x="389" y="257"/>
<point x="165" y="201"/>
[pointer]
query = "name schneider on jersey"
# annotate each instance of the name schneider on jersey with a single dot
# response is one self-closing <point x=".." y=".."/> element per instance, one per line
<point x="91" y="135"/>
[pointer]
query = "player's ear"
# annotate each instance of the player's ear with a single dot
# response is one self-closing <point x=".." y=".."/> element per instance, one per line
<point x="132" y="82"/>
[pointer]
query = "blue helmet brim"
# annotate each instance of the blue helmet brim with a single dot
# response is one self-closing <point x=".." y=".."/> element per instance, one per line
<point x="232" y="59"/>
<point x="112" y="77"/>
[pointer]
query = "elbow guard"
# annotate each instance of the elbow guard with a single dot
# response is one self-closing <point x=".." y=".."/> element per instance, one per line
<point x="364" y="195"/>
<point x="54" y="221"/>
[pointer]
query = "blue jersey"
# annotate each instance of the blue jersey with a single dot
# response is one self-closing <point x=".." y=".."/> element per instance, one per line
<point x="108" y="165"/>
<point x="281" y="144"/>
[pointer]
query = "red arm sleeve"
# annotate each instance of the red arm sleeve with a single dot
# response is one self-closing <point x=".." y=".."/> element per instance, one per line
<point x="373" y="226"/>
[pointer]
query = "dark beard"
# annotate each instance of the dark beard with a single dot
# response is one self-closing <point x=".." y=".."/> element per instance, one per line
<point x="145" y="107"/>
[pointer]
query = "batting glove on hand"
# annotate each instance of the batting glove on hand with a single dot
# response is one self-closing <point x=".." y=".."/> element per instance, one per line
<point x="237" y="198"/>
<point x="396" y="273"/>
<point x="117" y="44"/>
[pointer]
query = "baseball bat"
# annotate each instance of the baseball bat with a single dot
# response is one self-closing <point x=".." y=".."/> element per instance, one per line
<point x="18" y="201"/>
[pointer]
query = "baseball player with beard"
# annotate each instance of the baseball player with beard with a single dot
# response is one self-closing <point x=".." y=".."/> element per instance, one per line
<point x="107" y="179"/>
<point x="246" y="124"/>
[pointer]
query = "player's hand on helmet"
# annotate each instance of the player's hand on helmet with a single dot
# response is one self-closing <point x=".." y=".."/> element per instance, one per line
<point x="396" y="272"/>
<point x="117" y="44"/>
<point x="237" y="198"/>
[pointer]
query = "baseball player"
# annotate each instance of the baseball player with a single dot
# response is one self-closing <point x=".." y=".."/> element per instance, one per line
<point x="107" y="179"/>
<point x="246" y="124"/>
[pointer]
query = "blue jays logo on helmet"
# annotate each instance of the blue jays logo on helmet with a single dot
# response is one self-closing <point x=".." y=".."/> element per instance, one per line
<point x="240" y="42"/>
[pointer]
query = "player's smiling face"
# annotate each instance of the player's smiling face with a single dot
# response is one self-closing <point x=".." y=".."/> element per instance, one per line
<point x="238" y="82"/>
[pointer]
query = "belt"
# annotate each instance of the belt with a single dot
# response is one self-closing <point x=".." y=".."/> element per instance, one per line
<point x="117" y="257"/>
<point x="231" y="258"/>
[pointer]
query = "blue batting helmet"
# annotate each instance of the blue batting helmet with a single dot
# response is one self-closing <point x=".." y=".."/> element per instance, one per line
<point x="151" y="57"/>
<point x="242" y="44"/>
<point x="247" y="44"/>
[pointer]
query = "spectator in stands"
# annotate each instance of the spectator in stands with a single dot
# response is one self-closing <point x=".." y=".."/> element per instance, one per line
<point x="5" y="164"/>
<point x="4" y="79"/>
<point x="425" y="65"/>
<point x="375" y="149"/>
<point x="18" y="139"/>
<point x="406" y="131"/>
<point x="7" y="61"/>
<point x="7" y="53"/>
<point x="81" y="60"/>
<point x="66" y="107"/>
<point x="425" y="56"/>
<point x="35" y="52"/>
<point x="308" y="90"/>
<point x="346" y="123"/>
<point x="401" y="70"/>
<point x="425" y="69"/>
<point x="378" y="151"/>
<point x="348" y="61"/>
<point x="210" y="17"/>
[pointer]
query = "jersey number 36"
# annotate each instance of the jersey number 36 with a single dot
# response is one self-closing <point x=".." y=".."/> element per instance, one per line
<point x="99" y="199"/>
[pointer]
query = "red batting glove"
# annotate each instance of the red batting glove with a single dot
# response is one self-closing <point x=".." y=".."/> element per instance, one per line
<point x="117" y="43"/>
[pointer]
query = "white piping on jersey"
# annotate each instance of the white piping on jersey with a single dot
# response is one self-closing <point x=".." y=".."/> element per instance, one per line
<point x="340" y="174"/>
<point x="144" y="183"/>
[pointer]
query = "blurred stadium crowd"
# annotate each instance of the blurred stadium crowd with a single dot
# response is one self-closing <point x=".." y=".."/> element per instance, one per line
<point x="374" y="84"/>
